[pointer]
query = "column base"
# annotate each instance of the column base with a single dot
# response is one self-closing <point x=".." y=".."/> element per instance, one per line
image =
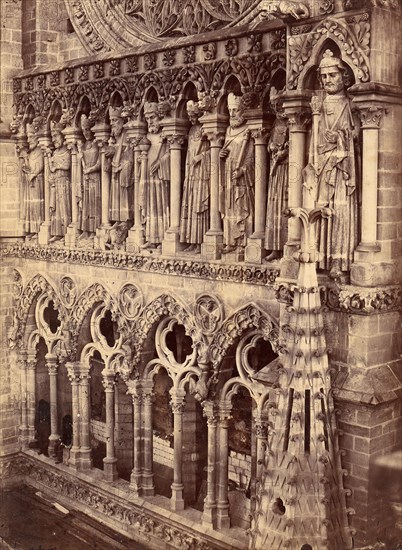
<point x="234" y="257"/>
<point x="101" y="237"/>
<point x="135" y="239"/>
<point x="44" y="233"/>
<point x="171" y="244"/>
<point x="135" y="484"/>
<point x="74" y="458"/>
<point x="70" y="239"/>
<point x="148" y="489"/>
<point x="254" y="252"/>
<point x="209" y="514"/>
<point x="110" y="473"/>
<point x="24" y="439"/>
<point x="85" y="459"/>
<point x="53" y="438"/>
<point x="211" y="248"/>
<point x="222" y="516"/>
<point x="177" y="501"/>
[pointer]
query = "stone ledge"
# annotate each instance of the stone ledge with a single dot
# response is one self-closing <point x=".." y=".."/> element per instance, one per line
<point x="139" y="519"/>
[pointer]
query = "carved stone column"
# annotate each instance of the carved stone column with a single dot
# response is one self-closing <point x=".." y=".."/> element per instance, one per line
<point x="134" y="389"/>
<point x="74" y="377"/>
<point x="298" y="113"/>
<point x="21" y="147"/>
<point x="44" y="231"/>
<point x="171" y="242"/>
<point x="255" y="243"/>
<point x="214" y="126"/>
<point x="72" y="135"/>
<point x="135" y="135"/>
<point x="223" y="518"/>
<point x="23" y="429"/>
<point x="147" y="437"/>
<point x="370" y="117"/>
<point x="177" y="500"/>
<point x="209" y="514"/>
<point x="85" y="448"/>
<point x="31" y="395"/>
<point x="52" y="366"/>
<point x="102" y="133"/>
<point x="110" y="460"/>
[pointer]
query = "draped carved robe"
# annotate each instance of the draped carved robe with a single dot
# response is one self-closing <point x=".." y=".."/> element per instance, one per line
<point x="237" y="195"/>
<point x="337" y="183"/>
<point x="91" y="188"/>
<point x="33" y="182"/>
<point x="122" y="182"/>
<point x="60" y="191"/>
<point x="195" y="203"/>
<point x="154" y="190"/>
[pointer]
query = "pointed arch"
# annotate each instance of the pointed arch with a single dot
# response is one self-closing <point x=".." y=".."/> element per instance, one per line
<point x="351" y="39"/>
<point x="92" y="295"/>
<point x="37" y="286"/>
<point x="155" y="310"/>
<point x="234" y="326"/>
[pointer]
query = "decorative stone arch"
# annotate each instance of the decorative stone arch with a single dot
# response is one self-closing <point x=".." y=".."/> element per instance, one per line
<point x="37" y="286"/>
<point x="53" y="95"/>
<point x="27" y="99"/>
<point x="250" y="316"/>
<point x="155" y="310"/>
<point x="145" y="83"/>
<point x="352" y="39"/>
<point x="92" y="295"/>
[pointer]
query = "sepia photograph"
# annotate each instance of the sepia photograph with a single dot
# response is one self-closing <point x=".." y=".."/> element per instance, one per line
<point x="200" y="275"/>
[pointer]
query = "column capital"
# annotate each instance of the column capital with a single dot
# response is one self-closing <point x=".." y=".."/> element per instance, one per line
<point x="176" y="141"/>
<point x="178" y="407"/>
<point x="298" y="120"/>
<point x="210" y="409"/>
<point x="225" y="410"/>
<point x="260" y="135"/>
<point x="370" y="115"/>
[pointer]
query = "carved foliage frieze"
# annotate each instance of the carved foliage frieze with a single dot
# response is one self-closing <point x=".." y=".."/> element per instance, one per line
<point x="101" y="502"/>
<point x="350" y="299"/>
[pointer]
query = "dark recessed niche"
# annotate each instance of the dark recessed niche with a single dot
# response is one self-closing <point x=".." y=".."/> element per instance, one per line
<point x="278" y="507"/>
<point x="50" y="316"/>
<point x="108" y="329"/>
<point x="179" y="343"/>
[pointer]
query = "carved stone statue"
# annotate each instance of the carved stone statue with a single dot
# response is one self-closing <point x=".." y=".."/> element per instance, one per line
<point x="195" y="203"/>
<point x="237" y="179"/>
<point x="122" y="168"/>
<point x="33" y="184"/>
<point x="90" y="189"/>
<point x="333" y="157"/>
<point x="60" y="185"/>
<point x="276" y="224"/>
<point x="154" y="181"/>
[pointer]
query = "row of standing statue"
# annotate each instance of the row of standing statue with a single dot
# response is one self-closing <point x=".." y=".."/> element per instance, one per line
<point x="332" y="162"/>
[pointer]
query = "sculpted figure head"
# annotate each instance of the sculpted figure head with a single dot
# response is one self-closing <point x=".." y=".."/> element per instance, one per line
<point x="31" y="137"/>
<point x="235" y="107"/>
<point x="193" y="111"/>
<point x="116" y="121"/>
<point x="332" y="73"/>
<point x="86" y="127"/>
<point x="152" y="117"/>
<point x="57" y="135"/>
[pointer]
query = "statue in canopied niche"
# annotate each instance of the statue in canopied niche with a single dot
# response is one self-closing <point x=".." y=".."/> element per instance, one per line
<point x="236" y="200"/>
<point x="33" y="184"/>
<point x="154" y="180"/>
<point x="277" y="199"/>
<point x="333" y="157"/>
<point x="196" y="190"/>
<point x="120" y="154"/>
<point x="90" y="189"/>
<point x="60" y="185"/>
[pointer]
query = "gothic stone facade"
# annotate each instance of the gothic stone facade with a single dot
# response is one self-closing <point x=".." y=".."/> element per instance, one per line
<point x="200" y="240"/>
